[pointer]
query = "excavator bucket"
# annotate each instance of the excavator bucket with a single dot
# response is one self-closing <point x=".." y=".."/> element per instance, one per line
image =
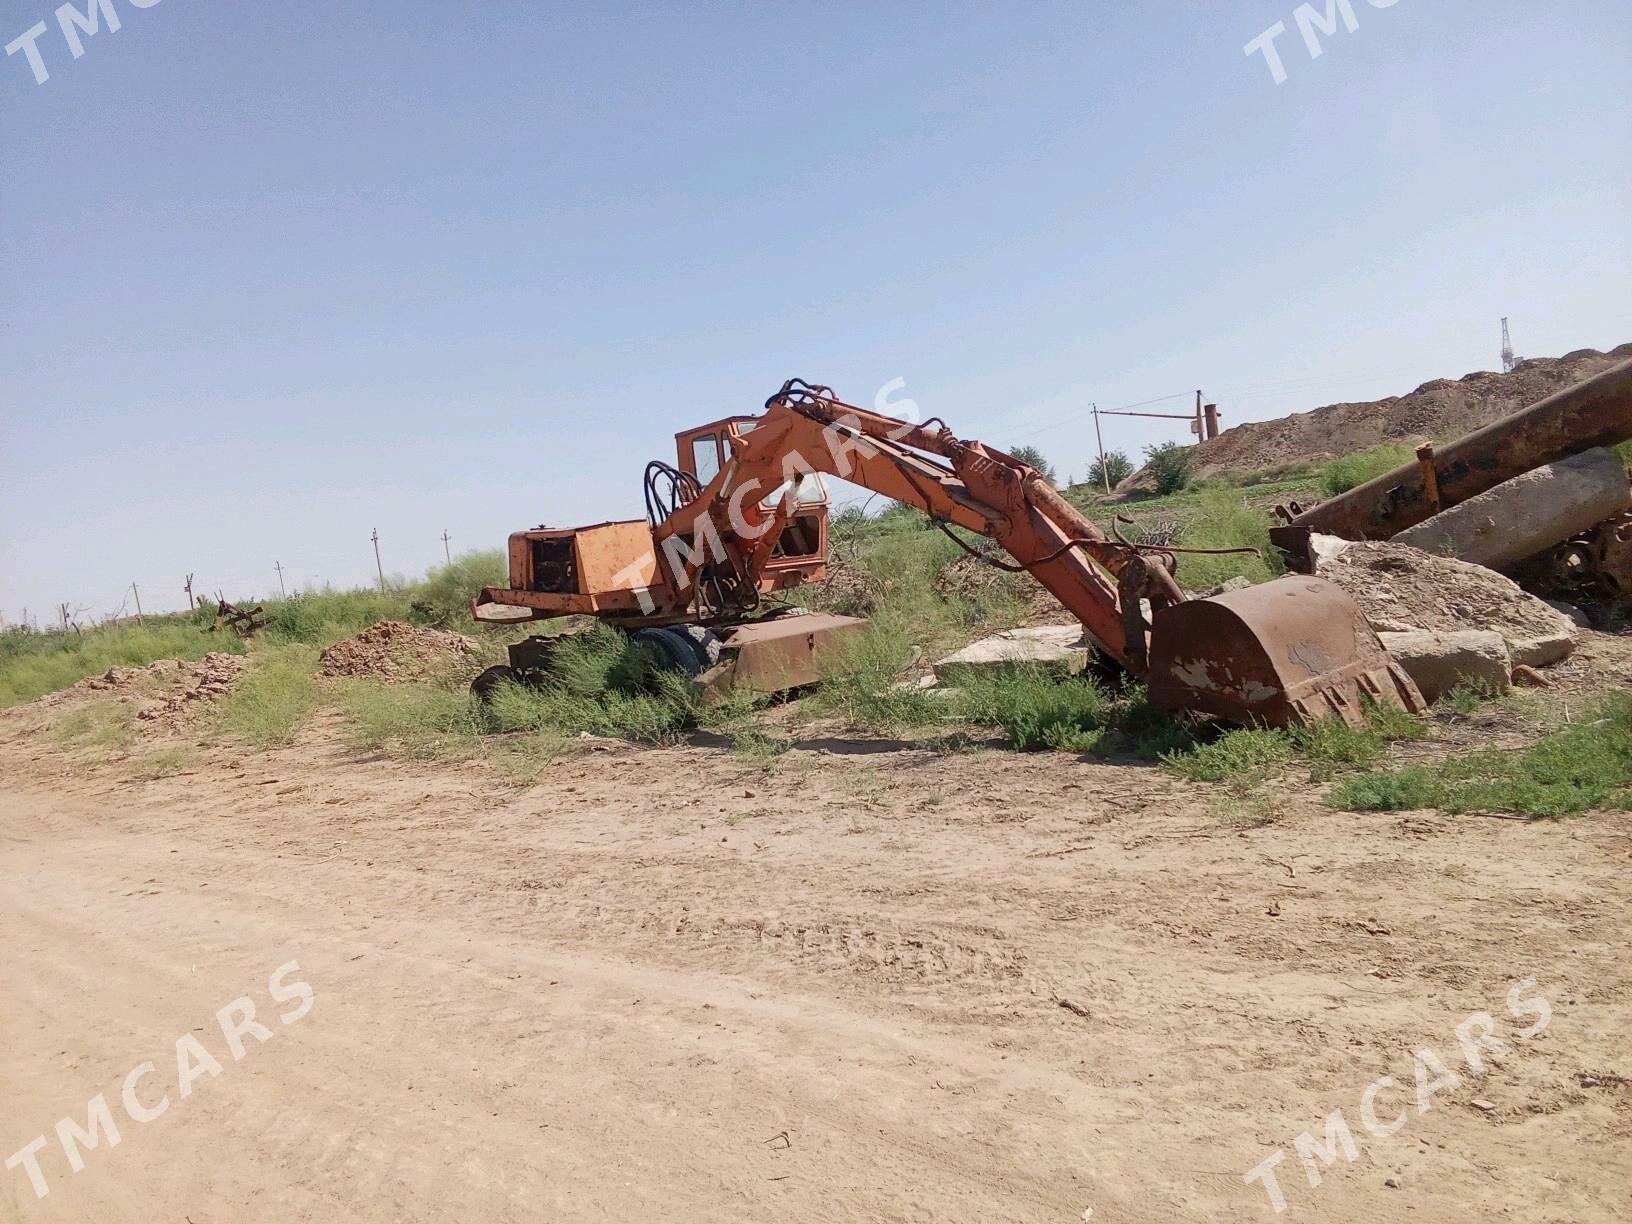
<point x="1291" y="652"/>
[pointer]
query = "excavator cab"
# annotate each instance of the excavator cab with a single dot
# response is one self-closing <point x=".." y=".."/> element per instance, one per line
<point x="800" y="554"/>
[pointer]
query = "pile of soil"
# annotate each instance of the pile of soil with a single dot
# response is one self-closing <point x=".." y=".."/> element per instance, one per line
<point x="207" y="681"/>
<point x="1399" y="587"/>
<point x="1436" y="411"/>
<point x="392" y="650"/>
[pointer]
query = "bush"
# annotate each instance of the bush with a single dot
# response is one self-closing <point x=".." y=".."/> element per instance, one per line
<point x="443" y="599"/>
<point x="603" y="682"/>
<point x="1352" y="471"/>
<point x="1169" y="466"/>
<point x="322" y="617"/>
<point x="1117" y="468"/>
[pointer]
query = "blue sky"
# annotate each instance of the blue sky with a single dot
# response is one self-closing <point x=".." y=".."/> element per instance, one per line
<point x="276" y="275"/>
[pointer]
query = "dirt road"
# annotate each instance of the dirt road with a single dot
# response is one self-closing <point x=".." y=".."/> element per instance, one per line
<point x="891" y="986"/>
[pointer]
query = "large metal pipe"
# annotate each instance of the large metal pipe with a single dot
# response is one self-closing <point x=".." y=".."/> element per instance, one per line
<point x="1597" y="412"/>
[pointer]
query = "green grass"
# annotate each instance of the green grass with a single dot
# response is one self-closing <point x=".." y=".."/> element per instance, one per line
<point x="1235" y="757"/>
<point x="1578" y="769"/>
<point x="1223" y="520"/>
<point x="274" y="696"/>
<point x="1036" y="709"/>
<point x="417" y="721"/>
<point x="1332" y="747"/>
<point x="1464" y="699"/>
<point x="864" y="684"/>
<point x="1241" y="757"/>
<point x="1352" y="471"/>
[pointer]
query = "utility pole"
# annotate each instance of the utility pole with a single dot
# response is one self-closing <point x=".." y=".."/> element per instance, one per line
<point x="1104" y="473"/>
<point x="445" y="552"/>
<point x="377" y="565"/>
<point x="278" y="565"/>
<point x="188" y="587"/>
<point x="138" y="595"/>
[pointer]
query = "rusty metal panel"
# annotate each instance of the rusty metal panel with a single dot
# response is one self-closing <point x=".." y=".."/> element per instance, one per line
<point x="789" y="652"/>
<point x="615" y="557"/>
<point x="521" y="560"/>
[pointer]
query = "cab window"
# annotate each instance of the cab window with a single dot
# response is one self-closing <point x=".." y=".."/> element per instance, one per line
<point x="705" y="458"/>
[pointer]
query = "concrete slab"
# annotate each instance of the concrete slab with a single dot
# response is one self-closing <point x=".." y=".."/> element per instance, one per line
<point x="1059" y="648"/>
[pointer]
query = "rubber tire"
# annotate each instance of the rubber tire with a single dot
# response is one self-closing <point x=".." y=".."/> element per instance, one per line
<point x="704" y="643"/>
<point x="669" y="649"/>
<point x="484" y="686"/>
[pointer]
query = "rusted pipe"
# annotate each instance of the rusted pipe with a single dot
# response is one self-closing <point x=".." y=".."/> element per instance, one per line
<point x="1597" y="412"/>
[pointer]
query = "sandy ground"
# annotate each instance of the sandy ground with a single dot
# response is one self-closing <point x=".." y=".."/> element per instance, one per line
<point x="874" y="984"/>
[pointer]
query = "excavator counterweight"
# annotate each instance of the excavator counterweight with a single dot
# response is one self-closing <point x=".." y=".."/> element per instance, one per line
<point x="744" y="514"/>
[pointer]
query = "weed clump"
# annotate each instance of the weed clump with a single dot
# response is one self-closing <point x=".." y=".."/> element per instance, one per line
<point x="1578" y="769"/>
<point x="274" y="697"/>
<point x="1036" y="709"/>
<point x="602" y="682"/>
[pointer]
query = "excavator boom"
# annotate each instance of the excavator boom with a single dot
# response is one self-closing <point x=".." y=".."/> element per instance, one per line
<point x="1294" y="650"/>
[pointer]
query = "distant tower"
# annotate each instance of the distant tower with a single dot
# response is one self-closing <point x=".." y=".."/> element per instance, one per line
<point x="1509" y="360"/>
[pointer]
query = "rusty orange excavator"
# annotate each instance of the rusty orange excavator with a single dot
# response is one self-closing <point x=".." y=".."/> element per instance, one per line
<point x="744" y="514"/>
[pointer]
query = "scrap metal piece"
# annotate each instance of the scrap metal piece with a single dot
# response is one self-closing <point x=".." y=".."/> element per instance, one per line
<point x="242" y="621"/>
<point x="777" y="654"/>
<point x="1291" y="652"/>
<point x="1597" y="412"/>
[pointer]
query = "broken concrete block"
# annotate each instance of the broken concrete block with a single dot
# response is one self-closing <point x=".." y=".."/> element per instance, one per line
<point x="1059" y="648"/>
<point x="1440" y="662"/>
<point x="1528" y="514"/>
<point x="1324" y="549"/>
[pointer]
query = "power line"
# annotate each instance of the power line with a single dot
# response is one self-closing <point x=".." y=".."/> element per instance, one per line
<point x="1160" y="399"/>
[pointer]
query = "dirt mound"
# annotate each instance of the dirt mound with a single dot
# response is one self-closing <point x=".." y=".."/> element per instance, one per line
<point x="1436" y="411"/>
<point x="208" y="681"/>
<point x="392" y="650"/>
<point x="1399" y="587"/>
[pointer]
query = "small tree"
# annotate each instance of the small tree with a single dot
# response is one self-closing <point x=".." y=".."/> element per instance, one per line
<point x="1118" y="467"/>
<point x="1169" y="466"/>
<point x="1032" y="457"/>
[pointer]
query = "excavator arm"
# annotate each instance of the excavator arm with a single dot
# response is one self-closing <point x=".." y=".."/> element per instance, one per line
<point x="806" y="431"/>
